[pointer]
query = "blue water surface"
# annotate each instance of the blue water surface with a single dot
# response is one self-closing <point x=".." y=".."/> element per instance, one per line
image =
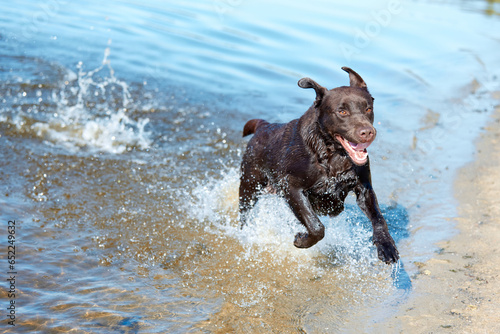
<point x="120" y="136"/>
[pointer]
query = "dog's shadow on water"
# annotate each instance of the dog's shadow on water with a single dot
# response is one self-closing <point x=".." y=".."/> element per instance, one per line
<point x="398" y="221"/>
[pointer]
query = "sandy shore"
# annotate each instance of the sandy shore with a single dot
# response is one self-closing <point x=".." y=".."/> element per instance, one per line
<point x="458" y="291"/>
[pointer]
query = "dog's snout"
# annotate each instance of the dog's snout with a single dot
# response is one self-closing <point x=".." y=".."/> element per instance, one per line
<point x="366" y="134"/>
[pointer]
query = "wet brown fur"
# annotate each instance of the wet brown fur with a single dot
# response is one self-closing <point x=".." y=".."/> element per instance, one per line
<point x="303" y="162"/>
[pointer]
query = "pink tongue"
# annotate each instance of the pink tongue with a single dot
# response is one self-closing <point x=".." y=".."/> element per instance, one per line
<point x="360" y="146"/>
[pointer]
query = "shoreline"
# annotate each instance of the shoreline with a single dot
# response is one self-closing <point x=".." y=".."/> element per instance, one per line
<point x="458" y="290"/>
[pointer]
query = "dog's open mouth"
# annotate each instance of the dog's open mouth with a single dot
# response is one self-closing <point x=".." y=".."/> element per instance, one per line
<point x="357" y="152"/>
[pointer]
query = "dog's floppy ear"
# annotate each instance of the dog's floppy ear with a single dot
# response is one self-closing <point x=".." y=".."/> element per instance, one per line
<point x="310" y="83"/>
<point x="355" y="80"/>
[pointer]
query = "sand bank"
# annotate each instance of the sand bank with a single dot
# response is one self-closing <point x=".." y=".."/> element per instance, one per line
<point x="458" y="291"/>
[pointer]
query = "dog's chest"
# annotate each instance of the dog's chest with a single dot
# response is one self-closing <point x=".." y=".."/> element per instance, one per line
<point x="334" y="181"/>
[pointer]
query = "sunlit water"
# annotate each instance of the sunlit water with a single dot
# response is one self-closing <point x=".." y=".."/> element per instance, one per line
<point x="120" y="134"/>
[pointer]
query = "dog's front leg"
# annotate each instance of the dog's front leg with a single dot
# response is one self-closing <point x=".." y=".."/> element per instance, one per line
<point x="367" y="201"/>
<point x="299" y="203"/>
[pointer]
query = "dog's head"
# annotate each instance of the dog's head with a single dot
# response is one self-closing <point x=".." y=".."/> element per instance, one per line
<point x="345" y="115"/>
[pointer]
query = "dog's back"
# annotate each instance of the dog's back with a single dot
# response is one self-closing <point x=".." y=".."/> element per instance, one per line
<point x="271" y="144"/>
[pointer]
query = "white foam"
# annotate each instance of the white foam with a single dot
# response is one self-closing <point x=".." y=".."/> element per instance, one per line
<point x="113" y="134"/>
<point x="81" y="120"/>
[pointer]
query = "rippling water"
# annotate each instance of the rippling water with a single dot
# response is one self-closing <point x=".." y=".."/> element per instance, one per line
<point x="120" y="134"/>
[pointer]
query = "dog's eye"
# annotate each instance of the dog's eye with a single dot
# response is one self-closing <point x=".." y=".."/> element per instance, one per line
<point x="343" y="112"/>
<point x="368" y="110"/>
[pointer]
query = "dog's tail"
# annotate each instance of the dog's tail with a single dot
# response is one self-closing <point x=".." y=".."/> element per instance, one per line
<point x="252" y="125"/>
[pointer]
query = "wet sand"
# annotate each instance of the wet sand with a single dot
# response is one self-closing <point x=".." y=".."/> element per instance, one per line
<point x="458" y="291"/>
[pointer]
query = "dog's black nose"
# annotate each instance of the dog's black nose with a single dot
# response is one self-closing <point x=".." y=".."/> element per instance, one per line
<point x="366" y="134"/>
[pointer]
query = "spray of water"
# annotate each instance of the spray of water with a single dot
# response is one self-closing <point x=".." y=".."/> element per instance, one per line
<point x="258" y="269"/>
<point x="92" y="112"/>
<point x="272" y="226"/>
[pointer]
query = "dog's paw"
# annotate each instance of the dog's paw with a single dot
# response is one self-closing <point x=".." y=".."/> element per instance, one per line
<point x="304" y="240"/>
<point x="387" y="251"/>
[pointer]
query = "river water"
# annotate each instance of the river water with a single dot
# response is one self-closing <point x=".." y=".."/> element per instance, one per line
<point x="120" y="137"/>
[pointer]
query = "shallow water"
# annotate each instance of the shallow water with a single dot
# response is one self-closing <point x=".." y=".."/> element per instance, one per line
<point x="120" y="134"/>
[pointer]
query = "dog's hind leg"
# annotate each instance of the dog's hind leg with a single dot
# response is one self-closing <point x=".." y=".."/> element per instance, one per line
<point x="251" y="184"/>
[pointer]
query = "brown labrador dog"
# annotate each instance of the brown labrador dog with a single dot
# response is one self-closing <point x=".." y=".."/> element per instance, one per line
<point x="316" y="160"/>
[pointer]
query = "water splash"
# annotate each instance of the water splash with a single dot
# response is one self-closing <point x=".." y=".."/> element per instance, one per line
<point x="258" y="268"/>
<point x="92" y="112"/>
<point x="272" y="226"/>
